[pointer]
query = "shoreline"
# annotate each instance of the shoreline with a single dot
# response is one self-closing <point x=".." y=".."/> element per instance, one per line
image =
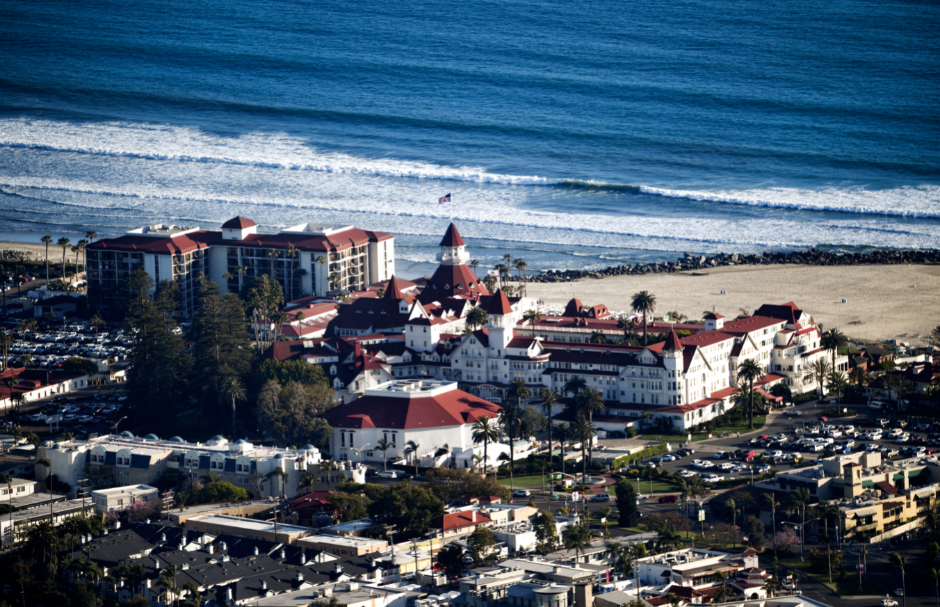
<point x="882" y="302"/>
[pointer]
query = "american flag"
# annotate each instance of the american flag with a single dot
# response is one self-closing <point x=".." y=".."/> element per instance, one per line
<point x="443" y="199"/>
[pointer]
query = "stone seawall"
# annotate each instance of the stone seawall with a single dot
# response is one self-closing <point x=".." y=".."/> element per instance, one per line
<point x="812" y="257"/>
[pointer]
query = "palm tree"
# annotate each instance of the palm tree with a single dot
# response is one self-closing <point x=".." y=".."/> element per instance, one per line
<point x="46" y="240"/>
<point x="732" y="506"/>
<point x="837" y="383"/>
<point x="474" y="264"/>
<point x="549" y="398"/>
<point x="899" y="561"/>
<point x="859" y="376"/>
<point x="168" y="580"/>
<point x="577" y="538"/>
<point x="82" y="246"/>
<point x="64" y="243"/>
<point x="442" y="451"/>
<point x="644" y="303"/>
<point x="511" y="415"/>
<point x="799" y="498"/>
<point x="486" y="432"/>
<point x="820" y="369"/>
<point x="411" y="448"/>
<point x="625" y="325"/>
<point x="503" y="271"/>
<point x="771" y="586"/>
<point x="772" y="504"/>
<point x="6" y="340"/>
<point x="533" y="317"/>
<point x="590" y="401"/>
<point x="564" y="437"/>
<point x="233" y="390"/>
<point x="383" y="446"/>
<point x="505" y="458"/>
<point x="291" y="253"/>
<point x="831" y="341"/>
<point x="583" y="431"/>
<point x="308" y="480"/>
<point x="476" y="317"/>
<point x="574" y="385"/>
<point x="748" y="371"/>
<point x="521" y="265"/>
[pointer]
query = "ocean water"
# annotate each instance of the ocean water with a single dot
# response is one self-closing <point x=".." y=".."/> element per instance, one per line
<point x="569" y="134"/>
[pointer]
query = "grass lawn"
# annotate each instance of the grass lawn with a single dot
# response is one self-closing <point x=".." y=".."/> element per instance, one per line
<point x="525" y="481"/>
<point x="846" y="586"/>
<point x="658" y="487"/>
<point x="680" y="438"/>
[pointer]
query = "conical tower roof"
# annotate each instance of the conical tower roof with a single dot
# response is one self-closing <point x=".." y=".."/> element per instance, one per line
<point x="452" y="238"/>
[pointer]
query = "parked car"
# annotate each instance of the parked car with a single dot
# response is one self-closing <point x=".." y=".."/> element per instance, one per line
<point x="600" y="497"/>
<point x="387" y="474"/>
<point x="792" y="412"/>
<point x="521" y="493"/>
<point x="889" y="603"/>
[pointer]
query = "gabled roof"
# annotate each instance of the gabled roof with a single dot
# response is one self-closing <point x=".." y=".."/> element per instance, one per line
<point x="449" y="281"/>
<point x="787" y="312"/>
<point x="238" y="223"/>
<point x="573" y="308"/>
<point x="499" y="304"/>
<point x="452" y="238"/>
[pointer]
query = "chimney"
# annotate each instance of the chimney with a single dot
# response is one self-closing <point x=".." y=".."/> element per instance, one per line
<point x="264" y="585"/>
<point x="210" y="548"/>
<point x="163" y="538"/>
<point x="283" y="554"/>
<point x="473" y="514"/>
<point x="117" y="525"/>
<point x="339" y="569"/>
<point x="104" y="532"/>
<point x="256" y="551"/>
<point x="146" y="521"/>
<point x="303" y="557"/>
<point x="156" y="565"/>
<point x="223" y="546"/>
<point x="300" y="577"/>
<point x="228" y="594"/>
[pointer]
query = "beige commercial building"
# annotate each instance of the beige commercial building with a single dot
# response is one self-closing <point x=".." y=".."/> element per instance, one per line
<point x="344" y="546"/>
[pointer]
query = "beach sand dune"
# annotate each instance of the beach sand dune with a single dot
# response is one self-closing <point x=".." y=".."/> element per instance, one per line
<point x="881" y="302"/>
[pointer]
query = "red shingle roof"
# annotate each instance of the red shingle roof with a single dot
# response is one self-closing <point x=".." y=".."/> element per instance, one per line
<point x="453" y="408"/>
<point x="393" y="291"/>
<point x="464" y="518"/>
<point x="238" y="223"/>
<point x="452" y="238"/>
<point x="672" y="343"/>
<point x="499" y="304"/>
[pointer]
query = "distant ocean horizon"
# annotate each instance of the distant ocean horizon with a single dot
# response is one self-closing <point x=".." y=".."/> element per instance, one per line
<point x="570" y="135"/>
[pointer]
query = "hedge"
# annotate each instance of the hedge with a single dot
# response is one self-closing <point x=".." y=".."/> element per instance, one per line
<point x="648" y="452"/>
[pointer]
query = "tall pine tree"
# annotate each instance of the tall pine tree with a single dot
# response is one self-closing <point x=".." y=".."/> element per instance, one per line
<point x="220" y="347"/>
<point x="156" y="374"/>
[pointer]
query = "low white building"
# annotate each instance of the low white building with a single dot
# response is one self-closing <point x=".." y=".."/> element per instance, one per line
<point x="117" y="499"/>
<point x="432" y="413"/>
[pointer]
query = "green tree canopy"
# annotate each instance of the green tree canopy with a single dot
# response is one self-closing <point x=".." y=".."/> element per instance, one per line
<point x="288" y="413"/>
<point x="407" y="507"/>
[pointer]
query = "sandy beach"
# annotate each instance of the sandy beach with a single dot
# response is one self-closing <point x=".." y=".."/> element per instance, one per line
<point x="882" y="302"/>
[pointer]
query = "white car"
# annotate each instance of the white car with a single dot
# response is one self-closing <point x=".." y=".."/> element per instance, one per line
<point x="726" y="466"/>
<point x="793" y="412"/>
<point x="700" y="463"/>
<point x="521" y="493"/>
<point x="688" y="474"/>
<point x="889" y="603"/>
<point x="386" y="474"/>
<point x="712" y="478"/>
<point x="667" y="458"/>
<point x="774" y="454"/>
<point x="720" y="455"/>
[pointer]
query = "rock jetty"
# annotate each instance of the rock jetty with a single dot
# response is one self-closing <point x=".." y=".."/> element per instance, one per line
<point x="690" y="261"/>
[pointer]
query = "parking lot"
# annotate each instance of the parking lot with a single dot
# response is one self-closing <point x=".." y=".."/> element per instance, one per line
<point x="51" y="344"/>
<point x="797" y="437"/>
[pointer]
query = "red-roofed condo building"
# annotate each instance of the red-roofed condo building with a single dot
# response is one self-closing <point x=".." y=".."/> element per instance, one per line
<point x="306" y="259"/>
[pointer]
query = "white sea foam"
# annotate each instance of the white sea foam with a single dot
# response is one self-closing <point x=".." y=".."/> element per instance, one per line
<point x="185" y="144"/>
<point x="912" y="201"/>
<point x="183" y="174"/>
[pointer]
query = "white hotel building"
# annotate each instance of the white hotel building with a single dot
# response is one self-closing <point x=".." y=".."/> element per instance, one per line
<point x="688" y="380"/>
